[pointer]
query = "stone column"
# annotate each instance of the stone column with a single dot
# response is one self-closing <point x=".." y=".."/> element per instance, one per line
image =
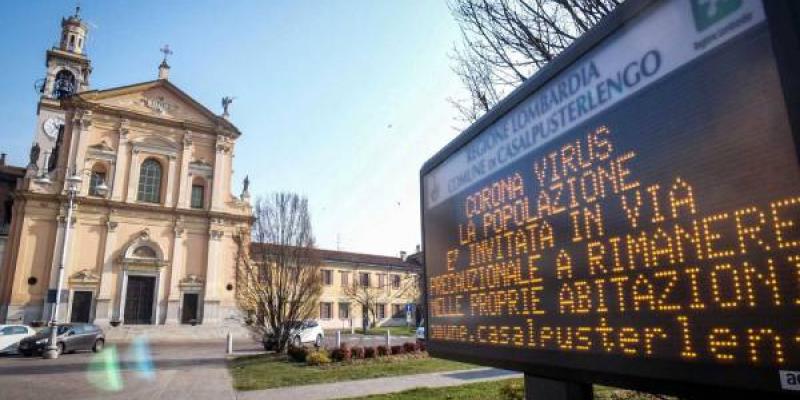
<point x="133" y="177"/>
<point x="176" y="274"/>
<point x="211" y="296"/>
<point x="104" y="305"/>
<point x="81" y="126"/>
<point x="119" y="167"/>
<point x="51" y="283"/>
<point x="183" y="189"/>
<point x="70" y="249"/>
<point x="170" y="182"/>
<point x="161" y="296"/>
<point x="219" y="166"/>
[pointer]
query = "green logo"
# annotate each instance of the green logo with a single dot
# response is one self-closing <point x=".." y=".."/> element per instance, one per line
<point x="709" y="12"/>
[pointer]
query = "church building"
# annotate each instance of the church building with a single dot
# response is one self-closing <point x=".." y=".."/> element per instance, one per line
<point x="154" y="231"/>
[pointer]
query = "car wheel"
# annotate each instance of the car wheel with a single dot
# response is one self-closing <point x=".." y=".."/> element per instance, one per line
<point x="296" y="342"/>
<point x="318" y="342"/>
<point x="60" y="348"/>
<point x="98" y="345"/>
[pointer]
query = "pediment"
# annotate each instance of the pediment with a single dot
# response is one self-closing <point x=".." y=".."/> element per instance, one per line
<point x="159" y="99"/>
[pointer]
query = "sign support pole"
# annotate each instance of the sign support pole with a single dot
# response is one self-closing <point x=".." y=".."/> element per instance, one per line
<point x="538" y="388"/>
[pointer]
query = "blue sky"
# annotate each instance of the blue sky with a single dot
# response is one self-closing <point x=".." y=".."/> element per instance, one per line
<point x="341" y="101"/>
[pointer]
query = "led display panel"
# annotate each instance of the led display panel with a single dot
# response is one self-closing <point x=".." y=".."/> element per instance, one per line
<point x="634" y="217"/>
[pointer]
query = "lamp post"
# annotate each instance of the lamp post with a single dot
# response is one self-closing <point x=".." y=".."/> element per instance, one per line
<point x="72" y="184"/>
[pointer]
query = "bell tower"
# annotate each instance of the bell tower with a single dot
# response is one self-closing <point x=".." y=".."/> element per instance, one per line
<point x="68" y="67"/>
<point x="68" y="70"/>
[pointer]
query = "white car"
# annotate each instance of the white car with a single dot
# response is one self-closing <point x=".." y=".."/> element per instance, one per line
<point x="11" y="335"/>
<point x="307" y="331"/>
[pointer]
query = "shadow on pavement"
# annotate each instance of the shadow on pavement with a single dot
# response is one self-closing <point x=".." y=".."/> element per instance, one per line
<point x="479" y="374"/>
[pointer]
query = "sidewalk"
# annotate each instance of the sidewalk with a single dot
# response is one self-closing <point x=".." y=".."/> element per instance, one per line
<point x="340" y="390"/>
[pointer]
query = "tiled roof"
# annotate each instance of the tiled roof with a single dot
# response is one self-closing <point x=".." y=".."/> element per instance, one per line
<point x="348" y="257"/>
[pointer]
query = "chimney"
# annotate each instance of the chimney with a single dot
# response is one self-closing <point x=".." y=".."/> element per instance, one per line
<point x="403" y="255"/>
<point x="2" y="159"/>
<point x="419" y="248"/>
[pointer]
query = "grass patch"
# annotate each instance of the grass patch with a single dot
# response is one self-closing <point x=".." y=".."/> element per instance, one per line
<point x="493" y="390"/>
<point x="269" y="370"/>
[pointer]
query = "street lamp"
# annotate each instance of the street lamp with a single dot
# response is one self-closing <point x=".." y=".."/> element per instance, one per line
<point x="72" y="183"/>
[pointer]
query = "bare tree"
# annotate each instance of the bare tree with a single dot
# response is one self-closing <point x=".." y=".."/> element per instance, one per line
<point x="369" y="294"/>
<point x="279" y="281"/>
<point x="504" y="42"/>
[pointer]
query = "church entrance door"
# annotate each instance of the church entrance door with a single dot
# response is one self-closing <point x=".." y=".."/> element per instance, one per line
<point x="189" y="309"/>
<point x="139" y="300"/>
<point x="81" y="306"/>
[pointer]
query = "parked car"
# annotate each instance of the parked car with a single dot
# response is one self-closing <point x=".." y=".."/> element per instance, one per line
<point x="421" y="331"/>
<point x="307" y="331"/>
<point x="70" y="338"/>
<point x="11" y="335"/>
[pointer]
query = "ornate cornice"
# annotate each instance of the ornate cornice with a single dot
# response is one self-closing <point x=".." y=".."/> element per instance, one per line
<point x="179" y="227"/>
<point x="191" y="281"/>
<point x="76" y="102"/>
<point x="120" y="205"/>
<point x="83" y="119"/>
<point x="216" y="234"/>
<point x="124" y="128"/>
<point x="85" y="276"/>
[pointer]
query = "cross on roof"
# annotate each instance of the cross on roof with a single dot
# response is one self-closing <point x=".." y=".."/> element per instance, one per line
<point x="166" y="51"/>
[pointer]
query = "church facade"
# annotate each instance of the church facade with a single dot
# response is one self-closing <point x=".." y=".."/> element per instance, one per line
<point x="155" y="229"/>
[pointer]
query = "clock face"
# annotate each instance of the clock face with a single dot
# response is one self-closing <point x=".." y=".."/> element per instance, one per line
<point x="51" y="126"/>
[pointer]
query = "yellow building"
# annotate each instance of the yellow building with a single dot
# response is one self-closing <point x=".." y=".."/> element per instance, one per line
<point x="152" y="235"/>
<point x="389" y="285"/>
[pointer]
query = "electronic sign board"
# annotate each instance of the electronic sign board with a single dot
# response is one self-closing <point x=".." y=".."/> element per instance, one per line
<point x="631" y="214"/>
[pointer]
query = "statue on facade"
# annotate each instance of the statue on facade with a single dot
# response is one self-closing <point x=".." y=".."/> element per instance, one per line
<point x="34" y="156"/>
<point x="226" y="102"/>
<point x="245" y="196"/>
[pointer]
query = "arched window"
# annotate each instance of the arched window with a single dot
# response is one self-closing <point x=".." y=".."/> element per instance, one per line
<point x="97" y="178"/>
<point x="150" y="181"/>
<point x="64" y="85"/>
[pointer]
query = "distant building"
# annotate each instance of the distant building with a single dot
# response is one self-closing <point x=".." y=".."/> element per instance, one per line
<point x="418" y="259"/>
<point x="152" y="236"/>
<point x="10" y="177"/>
<point x="392" y="281"/>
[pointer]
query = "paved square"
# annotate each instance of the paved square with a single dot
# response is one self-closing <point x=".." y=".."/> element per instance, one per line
<point x="180" y="371"/>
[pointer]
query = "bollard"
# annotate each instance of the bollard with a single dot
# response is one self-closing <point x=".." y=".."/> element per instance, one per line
<point x="230" y="343"/>
<point x="338" y="339"/>
<point x="388" y="339"/>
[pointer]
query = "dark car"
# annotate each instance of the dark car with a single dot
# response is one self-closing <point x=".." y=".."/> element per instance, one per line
<point x="71" y="338"/>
